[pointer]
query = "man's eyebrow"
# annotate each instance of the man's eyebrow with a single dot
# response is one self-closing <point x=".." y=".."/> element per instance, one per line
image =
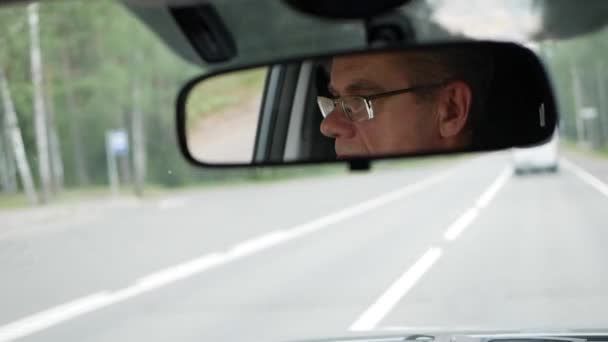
<point x="358" y="86"/>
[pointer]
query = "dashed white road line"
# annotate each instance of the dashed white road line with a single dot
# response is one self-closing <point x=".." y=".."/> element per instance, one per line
<point x="377" y="311"/>
<point x="586" y="176"/>
<point x="60" y="314"/>
<point x="456" y="228"/>
<point x="172" y="202"/>
<point x="490" y="193"/>
<point x="465" y="220"/>
<point x="396" y="291"/>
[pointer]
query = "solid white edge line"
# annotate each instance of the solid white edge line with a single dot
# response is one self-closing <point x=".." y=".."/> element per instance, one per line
<point x="59" y="314"/>
<point x="370" y="318"/>
<point x="51" y="317"/>
<point x="180" y="271"/>
<point x="586" y="176"/>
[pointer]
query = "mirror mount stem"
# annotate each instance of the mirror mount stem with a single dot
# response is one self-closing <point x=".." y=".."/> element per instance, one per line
<point x="358" y="165"/>
<point x="389" y="29"/>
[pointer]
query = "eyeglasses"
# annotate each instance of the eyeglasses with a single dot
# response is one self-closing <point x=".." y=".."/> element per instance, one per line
<point x="359" y="108"/>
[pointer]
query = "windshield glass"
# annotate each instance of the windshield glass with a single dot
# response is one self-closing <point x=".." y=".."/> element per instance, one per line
<point x="108" y="234"/>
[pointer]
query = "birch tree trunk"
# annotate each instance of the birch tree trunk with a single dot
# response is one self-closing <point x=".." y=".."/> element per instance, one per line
<point x="55" y="146"/>
<point x="602" y="102"/>
<point x="578" y="105"/>
<point x="12" y="185"/>
<point x="5" y="183"/>
<point x="12" y="126"/>
<point x="139" y="148"/>
<point x="42" y="138"/>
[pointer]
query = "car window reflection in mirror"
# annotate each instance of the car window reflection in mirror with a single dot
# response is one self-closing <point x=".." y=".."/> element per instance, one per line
<point x="222" y="116"/>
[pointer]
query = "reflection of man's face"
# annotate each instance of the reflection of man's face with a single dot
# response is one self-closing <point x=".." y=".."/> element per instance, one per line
<point x="402" y="123"/>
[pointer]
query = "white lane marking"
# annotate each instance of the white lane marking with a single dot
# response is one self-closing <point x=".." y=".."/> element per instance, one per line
<point x="586" y="176"/>
<point x="51" y="317"/>
<point x="170" y="203"/>
<point x="459" y="226"/>
<point x="99" y="300"/>
<point x="398" y="289"/>
<point x="370" y="318"/>
<point x="175" y="273"/>
<point x="489" y="194"/>
<point x="71" y="310"/>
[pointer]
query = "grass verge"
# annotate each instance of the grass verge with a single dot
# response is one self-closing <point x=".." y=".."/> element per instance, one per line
<point x="235" y="178"/>
<point x="570" y="145"/>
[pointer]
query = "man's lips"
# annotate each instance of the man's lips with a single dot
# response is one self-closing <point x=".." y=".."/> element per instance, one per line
<point x="345" y="154"/>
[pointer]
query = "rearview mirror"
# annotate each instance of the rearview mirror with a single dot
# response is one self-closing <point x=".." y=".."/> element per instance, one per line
<point x="367" y="105"/>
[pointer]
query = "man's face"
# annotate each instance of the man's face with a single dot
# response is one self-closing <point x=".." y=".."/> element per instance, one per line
<point x="401" y="123"/>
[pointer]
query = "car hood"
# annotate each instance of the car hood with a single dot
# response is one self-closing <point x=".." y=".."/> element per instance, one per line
<point x="575" y="335"/>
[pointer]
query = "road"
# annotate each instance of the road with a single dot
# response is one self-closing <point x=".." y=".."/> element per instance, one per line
<point x="462" y="244"/>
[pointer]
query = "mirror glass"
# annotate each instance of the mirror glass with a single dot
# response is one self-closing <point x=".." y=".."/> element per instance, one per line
<point x="222" y="116"/>
<point x="455" y="98"/>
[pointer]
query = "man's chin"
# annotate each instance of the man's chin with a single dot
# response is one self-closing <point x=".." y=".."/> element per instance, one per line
<point x="351" y="155"/>
<point x="350" y="151"/>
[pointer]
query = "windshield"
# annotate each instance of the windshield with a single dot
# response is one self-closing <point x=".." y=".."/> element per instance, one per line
<point x="108" y="234"/>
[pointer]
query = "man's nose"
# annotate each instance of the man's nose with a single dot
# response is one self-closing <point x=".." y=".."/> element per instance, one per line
<point x="337" y="125"/>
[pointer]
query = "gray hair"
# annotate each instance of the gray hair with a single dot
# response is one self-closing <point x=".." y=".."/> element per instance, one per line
<point x="472" y="66"/>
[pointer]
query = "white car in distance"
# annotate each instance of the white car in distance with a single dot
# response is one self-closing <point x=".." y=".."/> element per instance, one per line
<point x="537" y="158"/>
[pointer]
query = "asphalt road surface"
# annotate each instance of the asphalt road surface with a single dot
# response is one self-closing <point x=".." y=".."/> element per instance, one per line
<point x="461" y="244"/>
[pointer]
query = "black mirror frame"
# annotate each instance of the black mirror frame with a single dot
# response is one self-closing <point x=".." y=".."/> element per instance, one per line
<point x="550" y="105"/>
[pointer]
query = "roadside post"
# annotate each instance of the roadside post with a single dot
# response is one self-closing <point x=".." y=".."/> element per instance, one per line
<point x="117" y="145"/>
<point x="591" y="127"/>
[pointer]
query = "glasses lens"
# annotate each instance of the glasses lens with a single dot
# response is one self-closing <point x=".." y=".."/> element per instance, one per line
<point x="326" y="105"/>
<point x="354" y="107"/>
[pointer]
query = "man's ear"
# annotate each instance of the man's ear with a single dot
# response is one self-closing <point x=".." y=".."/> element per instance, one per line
<point x="454" y="106"/>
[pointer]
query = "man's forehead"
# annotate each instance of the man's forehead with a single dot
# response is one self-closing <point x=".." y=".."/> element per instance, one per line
<point x="387" y="59"/>
<point x="369" y="71"/>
